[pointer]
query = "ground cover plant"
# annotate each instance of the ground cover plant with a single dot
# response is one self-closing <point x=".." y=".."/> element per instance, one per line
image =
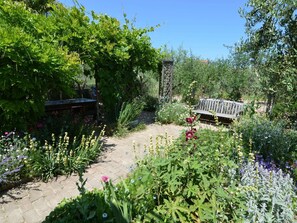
<point x="204" y="176"/>
<point x="269" y="193"/>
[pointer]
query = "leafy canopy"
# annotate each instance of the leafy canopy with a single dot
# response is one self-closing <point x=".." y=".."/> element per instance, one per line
<point x="112" y="52"/>
<point x="32" y="63"/>
<point x="271" y="28"/>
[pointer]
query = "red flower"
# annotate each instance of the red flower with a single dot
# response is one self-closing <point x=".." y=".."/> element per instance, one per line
<point x="190" y="120"/>
<point x="190" y="134"/>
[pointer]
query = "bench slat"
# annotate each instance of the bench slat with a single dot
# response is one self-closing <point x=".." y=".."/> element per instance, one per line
<point x="222" y="108"/>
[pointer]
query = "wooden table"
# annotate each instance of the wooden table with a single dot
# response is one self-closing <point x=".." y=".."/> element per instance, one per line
<point x="85" y="106"/>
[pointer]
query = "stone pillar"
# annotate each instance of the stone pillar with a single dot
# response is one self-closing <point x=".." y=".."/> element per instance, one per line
<point x="166" y="81"/>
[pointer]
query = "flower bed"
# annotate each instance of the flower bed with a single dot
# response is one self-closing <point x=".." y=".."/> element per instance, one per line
<point x="24" y="157"/>
<point x="204" y="176"/>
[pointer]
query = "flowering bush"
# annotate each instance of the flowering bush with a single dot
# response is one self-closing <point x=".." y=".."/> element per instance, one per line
<point x="270" y="140"/>
<point x="12" y="156"/>
<point x="172" y="113"/>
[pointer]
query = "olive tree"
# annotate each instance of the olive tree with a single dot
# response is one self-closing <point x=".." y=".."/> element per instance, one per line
<point x="271" y="43"/>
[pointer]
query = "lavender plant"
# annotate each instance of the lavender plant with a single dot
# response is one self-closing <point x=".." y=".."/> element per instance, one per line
<point x="12" y="155"/>
<point x="269" y="193"/>
<point x="270" y="140"/>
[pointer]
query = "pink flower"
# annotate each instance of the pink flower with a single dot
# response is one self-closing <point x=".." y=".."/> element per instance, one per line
<point x="6" y="133"/>
<point x="105" y="179"/>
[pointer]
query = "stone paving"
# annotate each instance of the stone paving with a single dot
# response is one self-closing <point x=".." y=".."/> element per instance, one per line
<point x="33" y="201"/>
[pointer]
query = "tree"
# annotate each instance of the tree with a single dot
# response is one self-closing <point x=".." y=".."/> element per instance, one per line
<point x="32" y="63"/>
<point x="114" y="53"/>
<point x="40" y="6"/>
<point x="221" y="78"/>
<point x="271" y="28"/>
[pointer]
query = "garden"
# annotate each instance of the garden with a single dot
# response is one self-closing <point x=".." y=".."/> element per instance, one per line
<point x="245" y="172"/>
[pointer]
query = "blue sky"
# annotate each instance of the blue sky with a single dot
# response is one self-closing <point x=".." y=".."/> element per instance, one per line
<point x="202" y="26"/>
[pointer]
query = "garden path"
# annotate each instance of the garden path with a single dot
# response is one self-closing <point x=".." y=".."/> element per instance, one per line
<point x="33" y="201"/>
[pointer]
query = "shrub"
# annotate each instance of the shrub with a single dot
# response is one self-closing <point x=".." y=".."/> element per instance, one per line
<point x="88" y="207"/>
<point x="151" y="103"/>
<point x="58" y="123"/>
<point x="128" y="113"/>
<point x="269" y="139"/>
<point x="172" y="113"/>
<point x="269" y="194"/>
<point x="12" y="156"/>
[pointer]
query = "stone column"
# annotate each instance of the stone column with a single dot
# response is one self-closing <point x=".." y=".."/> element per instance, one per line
<point x="166" y="81"/>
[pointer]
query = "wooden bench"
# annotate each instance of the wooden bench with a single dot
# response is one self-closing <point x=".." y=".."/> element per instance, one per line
<point x="221" y="108"/>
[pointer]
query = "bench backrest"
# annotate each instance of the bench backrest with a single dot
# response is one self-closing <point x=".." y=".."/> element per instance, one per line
<point x="219" y="106"/>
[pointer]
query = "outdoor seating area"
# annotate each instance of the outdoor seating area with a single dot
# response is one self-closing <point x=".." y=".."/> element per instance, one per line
<point x="227" y="110"/>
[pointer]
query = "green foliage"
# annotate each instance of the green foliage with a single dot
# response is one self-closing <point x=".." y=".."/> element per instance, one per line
<point x="188" y="181"/>
<point x="112" y="52"/>
<point x="41" y="6"/>
<point x="263" y="206"/>
<point x="228" y="79"/>
<point x="172" y="113"/>
<point x="88" y="207"/>
<point x="149" y="89"/>
<point x="271" y="43"/>
<point x="198" y="179"/>
<point x="128" y="113"/>
<point x="13" y="155"/>
<point x="269" y="139"/>
<point x="31" y="64"/>
<point x="62" y="155"/>
<point x="128" y="51"/>
<point x="42" y="53"/>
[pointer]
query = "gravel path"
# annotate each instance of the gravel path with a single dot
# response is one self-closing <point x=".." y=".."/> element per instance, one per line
<point x="33" y="201"/>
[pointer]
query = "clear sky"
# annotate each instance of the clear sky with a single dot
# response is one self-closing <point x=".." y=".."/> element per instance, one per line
<point x="202" y="26"/>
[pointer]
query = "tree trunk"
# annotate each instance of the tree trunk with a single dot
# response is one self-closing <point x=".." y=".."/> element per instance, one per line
<point x="270" y="103"/>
